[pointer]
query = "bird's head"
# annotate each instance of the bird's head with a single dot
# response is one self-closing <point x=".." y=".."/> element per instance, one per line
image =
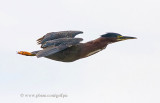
<point x="115" y="37"/>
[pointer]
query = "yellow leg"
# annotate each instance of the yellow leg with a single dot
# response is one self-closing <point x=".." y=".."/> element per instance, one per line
<point x="25" y="53"/>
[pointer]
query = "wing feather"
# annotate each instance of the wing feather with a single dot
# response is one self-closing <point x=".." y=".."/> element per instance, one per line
<point x="60" y="41"/>
<point x="52" y="48"/>
<point x="57" y="35"/>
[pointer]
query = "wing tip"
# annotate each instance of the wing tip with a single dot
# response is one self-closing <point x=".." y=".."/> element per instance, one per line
<point x="39" y="41"/>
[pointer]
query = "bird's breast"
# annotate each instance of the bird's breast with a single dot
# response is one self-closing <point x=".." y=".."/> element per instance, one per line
<point x="93" y="52"/>
<point x="92" y="47"/>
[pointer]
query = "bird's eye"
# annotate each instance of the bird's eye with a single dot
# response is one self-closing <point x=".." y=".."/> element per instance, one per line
<point x="119" y="36"/>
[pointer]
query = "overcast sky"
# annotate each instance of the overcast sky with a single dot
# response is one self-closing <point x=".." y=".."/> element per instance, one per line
<point x="125" y="72"/>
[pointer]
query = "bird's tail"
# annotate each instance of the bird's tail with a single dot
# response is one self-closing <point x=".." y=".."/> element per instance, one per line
<point x="26" y="53"/>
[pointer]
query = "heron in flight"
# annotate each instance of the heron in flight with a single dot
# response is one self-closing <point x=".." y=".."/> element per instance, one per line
<point x="65" y="47"/>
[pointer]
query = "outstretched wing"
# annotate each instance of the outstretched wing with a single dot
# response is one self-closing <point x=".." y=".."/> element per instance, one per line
<point x="61" y="41"/>
<point x="57" y="35"/>
<point x="54" y="46"/>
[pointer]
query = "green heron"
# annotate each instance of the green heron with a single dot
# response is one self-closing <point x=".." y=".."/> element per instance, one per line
<point x="63" y="46"/>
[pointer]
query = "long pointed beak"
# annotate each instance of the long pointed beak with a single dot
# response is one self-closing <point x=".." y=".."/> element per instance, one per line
<point x="126" y="38"/>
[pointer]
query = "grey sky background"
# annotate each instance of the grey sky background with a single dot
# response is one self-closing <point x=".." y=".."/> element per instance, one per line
<point x="125" y="72"/>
